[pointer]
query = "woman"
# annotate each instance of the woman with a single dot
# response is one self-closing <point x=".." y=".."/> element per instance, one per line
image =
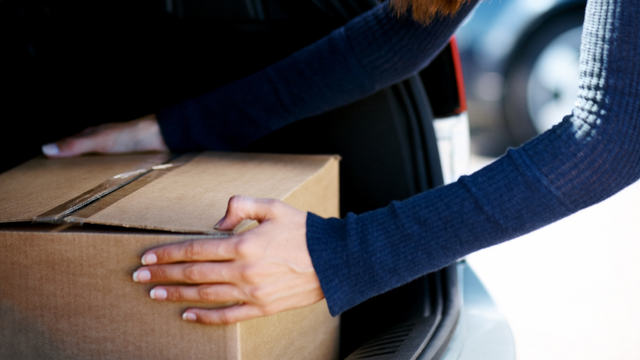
<point x="294" y="259"/>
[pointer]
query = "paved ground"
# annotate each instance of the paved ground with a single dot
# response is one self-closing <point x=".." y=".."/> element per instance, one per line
<point x="571" y="290"/>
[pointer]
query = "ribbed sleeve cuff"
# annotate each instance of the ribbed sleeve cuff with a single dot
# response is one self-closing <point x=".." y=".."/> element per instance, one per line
<point x="322" y="237"/>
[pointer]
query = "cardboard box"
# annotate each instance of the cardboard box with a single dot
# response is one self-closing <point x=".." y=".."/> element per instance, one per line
<point x="66" y="290"/>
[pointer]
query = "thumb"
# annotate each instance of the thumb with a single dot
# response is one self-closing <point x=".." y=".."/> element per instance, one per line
<point x="245" y="207"/>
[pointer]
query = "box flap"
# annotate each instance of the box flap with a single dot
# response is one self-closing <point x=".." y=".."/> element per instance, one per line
<point x="40" y="184"/>
<point x="189" y="197"/>
<point x="193" y="197"/>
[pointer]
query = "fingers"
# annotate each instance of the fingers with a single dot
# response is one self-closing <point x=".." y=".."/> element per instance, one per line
<point x="223" y="316"/>
<point x="97" y="139"/>
<point x="244" y="207"/>
<point x="267" y="269"/>
<point x="189" y="273"/>
<point x="249" y="310"/>
<point x="142" y="134"/>
<point x="195" y="250"/>
<point x="219" y="293"/>
<point x="72" y="146"/>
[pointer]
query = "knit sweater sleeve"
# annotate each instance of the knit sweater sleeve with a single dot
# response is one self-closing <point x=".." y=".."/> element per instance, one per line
<point x="372" y="51"/>
<point x="592" y="154"/>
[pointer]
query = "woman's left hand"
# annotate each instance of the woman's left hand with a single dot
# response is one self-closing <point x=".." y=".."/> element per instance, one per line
<point x="264" y="270"/>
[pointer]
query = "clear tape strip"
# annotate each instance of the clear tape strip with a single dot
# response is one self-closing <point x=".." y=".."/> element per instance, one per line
<point x="58" y="214"/>
<point x="145" y="179"/>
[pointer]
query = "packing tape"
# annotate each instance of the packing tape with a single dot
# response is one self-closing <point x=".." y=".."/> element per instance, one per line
<point x="117" y="187"/>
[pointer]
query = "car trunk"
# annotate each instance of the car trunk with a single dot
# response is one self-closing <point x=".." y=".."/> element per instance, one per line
<point x="387" y="140"/>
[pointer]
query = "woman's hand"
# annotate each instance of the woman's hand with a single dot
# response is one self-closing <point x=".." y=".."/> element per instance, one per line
<point x="142" y="134"/>
<point x="264" y="270"/>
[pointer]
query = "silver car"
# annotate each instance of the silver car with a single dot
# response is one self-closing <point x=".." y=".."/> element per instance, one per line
<point x="520" y="61"/>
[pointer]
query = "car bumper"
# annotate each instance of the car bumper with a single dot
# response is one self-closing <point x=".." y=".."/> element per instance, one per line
<point x="482" y="331"/>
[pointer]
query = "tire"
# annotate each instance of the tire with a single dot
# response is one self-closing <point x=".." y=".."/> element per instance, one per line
<point x="542" y="80"/>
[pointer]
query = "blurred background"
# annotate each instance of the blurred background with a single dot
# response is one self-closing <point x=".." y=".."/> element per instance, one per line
<point x="570" y="290"/>
<point x="520" y="60"/>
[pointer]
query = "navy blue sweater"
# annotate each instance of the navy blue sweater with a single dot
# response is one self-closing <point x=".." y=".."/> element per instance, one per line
<point x="592" y="154"/>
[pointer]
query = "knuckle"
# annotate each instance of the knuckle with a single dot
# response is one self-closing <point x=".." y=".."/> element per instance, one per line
<point x="245" y="277"/>
<point x="235" y="201"/>
<point x="226" y="248"/>
<point x="206" y="318"/>
<point x="225" y="317"/>
<point x="224" y="274"/>
<point x="193" y="251"/>
<point x="159" y="273"/>
<point x="162" y="254"/>
<point x="244" y="248"/>
<point x="173" y="294"/>
<point x="264" y="295"/>
<point x="207" y="294"/>
<point x="193" y="273"/>
<point x="250" y="274"/>
<point x="276" y="207"/>
<point x="258" y="294"/>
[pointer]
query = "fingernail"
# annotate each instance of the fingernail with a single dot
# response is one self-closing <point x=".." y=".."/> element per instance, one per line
<point x="189" y="316"/>
<point x="158" y="294"/>
<point x="217" y="226"/>
<point x="149" y="259"/>
<point x="50" y="149"/>
<point x="141" y="275"/>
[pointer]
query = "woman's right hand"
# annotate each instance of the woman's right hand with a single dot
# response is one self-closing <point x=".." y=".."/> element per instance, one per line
<point x="142" y="134"/>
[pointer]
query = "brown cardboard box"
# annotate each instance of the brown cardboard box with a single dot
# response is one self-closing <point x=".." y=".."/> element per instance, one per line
<point x="66" y="291"/>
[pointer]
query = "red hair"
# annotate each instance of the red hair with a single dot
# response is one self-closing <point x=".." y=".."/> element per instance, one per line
<point x="425" y="10"/>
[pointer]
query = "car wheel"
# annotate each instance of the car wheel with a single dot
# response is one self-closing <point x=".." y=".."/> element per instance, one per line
<point x="542" y="81"/>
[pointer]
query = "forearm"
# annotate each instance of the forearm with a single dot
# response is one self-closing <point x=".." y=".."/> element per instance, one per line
<point x="365" y="255"/>
<point x="371" y="52"/>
